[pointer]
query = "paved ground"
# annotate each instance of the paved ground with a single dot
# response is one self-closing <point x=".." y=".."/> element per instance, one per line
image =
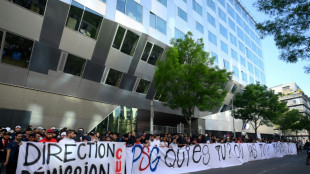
<point x="290" y="164"/>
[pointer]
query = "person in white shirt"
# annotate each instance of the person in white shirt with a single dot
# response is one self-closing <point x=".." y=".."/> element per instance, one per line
<point x="69" y="137"/>
<point x="174" y="144"/>
<point x="163" y="143"/>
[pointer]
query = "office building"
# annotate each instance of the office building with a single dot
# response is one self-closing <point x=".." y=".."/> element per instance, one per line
<point x="73" y="63"/>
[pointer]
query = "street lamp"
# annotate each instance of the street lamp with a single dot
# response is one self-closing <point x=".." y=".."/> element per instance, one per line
<point x="232" y="114"/>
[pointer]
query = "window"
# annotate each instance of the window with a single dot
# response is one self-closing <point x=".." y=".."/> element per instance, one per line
<point x="226" y="65"/>
<point x="234" y="54"/>
<point x="143" y="86"/>
<point x="238" y="8"/>
<point x="241" y="46"/>
<point x="178" y="34"/>
<point x="74" y="65"/>
<point x="231" y="25"/>
<point x="213" y="55"/>
<point x="224" y="47"/>
<point x="249" y="54"/>
<point x="152" y="53"/>
<point x="197" y="8"/>
<point x="251" y="80"/>
<point x="199" y="27"/>
<point x="239" y="20"/>
<point x="211" y="19"/>
<point x="236" y="71"/>
<point x="262" y="77"/>
<point x="131" y="8"/>
<point x="114" y="78"/>
<point x="128" y="43"/>
<point x="104" y="1"/>
<point x="17" y="50"/>
<point x="211" y="5"/>
<point x="157" y="23"/>
<point x="84" y="20"/>
<point x="33" y="5"/>
<point x="224" y="107"/>
<point x="231" y="11"/>
<point x="164" y="2"/>
<point x="244" y="76"/>
<point x="222" y="15"/>
<point x="246" y="28"/>
<point x="233" y="89"/>
<point x="233" y="39"/>
<point x="250" y="67"/>
<point x="182" y="14"/>
<point x="223" y="31"/>
<point x="240" y="33"/>
<point x="212" y="38"/>
<point x="242" y="61"/>
<point x="256" y="72"/>
<point x="247" y="40"/>
<point x="222" y="2"/>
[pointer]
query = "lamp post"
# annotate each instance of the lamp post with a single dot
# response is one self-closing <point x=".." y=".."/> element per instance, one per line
<point x="152" y="117"/>
<point x="232" y="114"/>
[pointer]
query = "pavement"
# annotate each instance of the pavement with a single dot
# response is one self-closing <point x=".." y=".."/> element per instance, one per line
<point x="290" y="164"/>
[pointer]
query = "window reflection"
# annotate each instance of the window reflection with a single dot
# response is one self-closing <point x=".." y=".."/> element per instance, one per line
<point x="37" y="6"/>
<point x="143" y="86"/>
<point x="146" y="51"/>
<point x="127" y="41"/>
<point x="17" y="50"/>
<point x="74" y="65"/>
<point x="156" y="54"/>
<point x="114" y="77"/>
<point x="84" y="20"/>
<point x="131" y="9"/>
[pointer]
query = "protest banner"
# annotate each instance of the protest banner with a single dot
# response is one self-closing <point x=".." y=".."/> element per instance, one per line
<point x="199" y="157"/>
<point x="90" y="157"/>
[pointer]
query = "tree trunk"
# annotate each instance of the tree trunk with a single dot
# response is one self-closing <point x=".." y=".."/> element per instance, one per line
<point x="255" y="129"/>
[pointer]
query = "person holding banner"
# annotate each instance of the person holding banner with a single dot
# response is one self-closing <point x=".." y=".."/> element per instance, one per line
<point x="49" y="137"/>
<point x="12" y="153"/>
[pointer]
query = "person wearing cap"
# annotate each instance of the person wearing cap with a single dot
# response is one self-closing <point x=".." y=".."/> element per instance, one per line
<point x="3" y="144"/>
<point x="69" y="137"/>
<point x="49" y="137"/>
<point x="12" y="153"/>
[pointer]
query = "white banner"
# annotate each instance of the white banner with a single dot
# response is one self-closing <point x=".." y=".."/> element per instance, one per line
<point x="90" y="157"/>
<point x="201" y="156"/>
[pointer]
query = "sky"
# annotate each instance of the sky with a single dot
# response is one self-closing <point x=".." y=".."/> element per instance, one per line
<point x="278" y="72"/>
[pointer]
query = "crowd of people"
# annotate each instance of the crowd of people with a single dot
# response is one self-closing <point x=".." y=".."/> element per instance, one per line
<point x="11" y="139"/>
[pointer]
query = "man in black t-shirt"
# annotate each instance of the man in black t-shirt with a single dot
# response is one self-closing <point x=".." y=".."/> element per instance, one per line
<point x="12" y="153"/>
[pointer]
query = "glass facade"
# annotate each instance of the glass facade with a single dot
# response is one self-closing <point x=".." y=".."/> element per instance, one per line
<point x="226" y="65"/>
<point x="236" y="71"/>
<point x="222" y="14"/>
<point x="211" y="5"/>
<point x="122" y="120"/>
<point x="224" y="47"/>
<point x="178" y="34"/>
<point x="223" y="31"/>
<point x="164" y="2"/>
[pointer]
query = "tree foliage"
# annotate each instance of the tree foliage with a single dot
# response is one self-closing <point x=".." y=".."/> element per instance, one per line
<point x="289" y="24"/>
<point x="187" y="80"/>
<point x="258" y="106"/>
<point x="291" y="120"/>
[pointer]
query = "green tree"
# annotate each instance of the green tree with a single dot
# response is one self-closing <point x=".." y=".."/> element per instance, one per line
<point x="289" y="23"/>
<point x="258" y="106"/>
<point x="187" y="80"/>
<point x="290" y="121"/>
